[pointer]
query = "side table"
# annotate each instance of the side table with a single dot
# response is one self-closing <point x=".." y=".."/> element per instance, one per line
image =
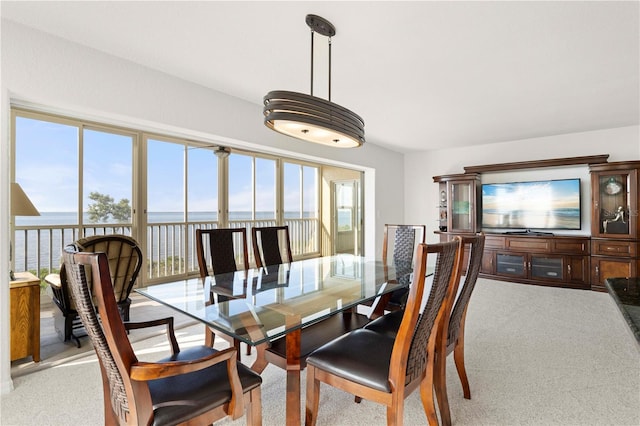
<point x="25" y="316"/>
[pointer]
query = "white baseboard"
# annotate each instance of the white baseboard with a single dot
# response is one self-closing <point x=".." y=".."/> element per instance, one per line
<point x="6" y="386"/>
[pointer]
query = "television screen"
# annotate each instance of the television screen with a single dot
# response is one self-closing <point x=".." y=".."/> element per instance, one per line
<point x="549" y="204"/>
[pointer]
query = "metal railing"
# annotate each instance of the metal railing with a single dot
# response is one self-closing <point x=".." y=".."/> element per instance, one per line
<point x="170" y="246"/>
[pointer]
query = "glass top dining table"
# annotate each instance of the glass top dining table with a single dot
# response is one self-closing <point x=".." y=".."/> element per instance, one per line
<point x="257" y="306"/>
<point x="261" y="305"/>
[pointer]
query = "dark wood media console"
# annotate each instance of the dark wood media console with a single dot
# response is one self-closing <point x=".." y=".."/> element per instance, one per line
<point x="611" y="250"/>
<point x="559" y="261"/>
<point x="545" y="260"/>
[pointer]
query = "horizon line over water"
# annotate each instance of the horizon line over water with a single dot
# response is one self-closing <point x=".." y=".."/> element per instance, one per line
<point x="70" y="218"/>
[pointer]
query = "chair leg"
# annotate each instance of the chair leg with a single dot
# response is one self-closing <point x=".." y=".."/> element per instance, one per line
<point x="395" y="414"/>
<point x="313" y="397"/>
<point x="426" y="391"/>
<point x="440" y="381"/>
<point x="68" y="330"/>
<point x="254" y="408"/>
<point x="458" y="357"/>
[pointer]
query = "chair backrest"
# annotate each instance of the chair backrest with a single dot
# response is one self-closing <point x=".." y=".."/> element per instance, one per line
<point x="271" y="245"/>
<point x="476" y="243"/>
<point x="417" y="334"/>
<point x="401" y="242"/>
<point x="123" y="255"/>
<point x="221" y="251"/>
<point x="108" y="333"/>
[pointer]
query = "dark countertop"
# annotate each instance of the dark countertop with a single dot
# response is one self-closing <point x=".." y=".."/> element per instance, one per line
<point x="626" y="293"/>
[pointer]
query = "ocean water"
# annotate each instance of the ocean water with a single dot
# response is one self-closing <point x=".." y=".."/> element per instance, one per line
<point x="50" y="245"/>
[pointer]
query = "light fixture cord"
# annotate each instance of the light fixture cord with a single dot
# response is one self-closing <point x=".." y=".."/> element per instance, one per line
<point x="312" y="38"/>
<point x="311" y="62"/>
<point x="329" y="69"/>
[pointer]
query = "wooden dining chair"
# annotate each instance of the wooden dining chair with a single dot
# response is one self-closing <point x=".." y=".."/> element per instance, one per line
<point x="222" y="251"/>
<point x="198" y="385"/>
<point x="457" y="321"/>
<point x="456" y="311"/>
<point x="399" y="248"/>
<point x="271" y="245"/>
<point x="402" y="363"/>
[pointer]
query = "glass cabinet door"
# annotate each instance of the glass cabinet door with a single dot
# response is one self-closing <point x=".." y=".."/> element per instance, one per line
<point x="612" y="204"/>
<point x="462" y="206"/>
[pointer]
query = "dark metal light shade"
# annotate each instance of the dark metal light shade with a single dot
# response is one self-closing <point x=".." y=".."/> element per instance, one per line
<point x="313" y="119"/>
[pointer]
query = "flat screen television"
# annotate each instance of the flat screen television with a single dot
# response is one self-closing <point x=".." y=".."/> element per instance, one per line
<point x="547" y="204"/>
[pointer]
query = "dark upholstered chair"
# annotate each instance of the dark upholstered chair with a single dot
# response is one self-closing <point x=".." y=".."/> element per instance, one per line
<point x="222" y="251"/>
<point x="457" y="313"/>
<point x="196" y="386"/>
<point x="271" y="245"/>
<point x="402" y="363"/>
<point x="125" y="261"/>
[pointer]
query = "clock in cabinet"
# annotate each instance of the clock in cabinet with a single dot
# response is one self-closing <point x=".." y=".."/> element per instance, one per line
<point x="615" y="237"/>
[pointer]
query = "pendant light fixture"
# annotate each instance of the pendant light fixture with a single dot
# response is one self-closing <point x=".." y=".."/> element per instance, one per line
<point x="308" y="117"/>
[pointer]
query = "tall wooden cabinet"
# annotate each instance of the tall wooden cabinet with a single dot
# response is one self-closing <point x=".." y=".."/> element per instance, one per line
<point x="615" y="235"/>
<point x="458" y="209"/>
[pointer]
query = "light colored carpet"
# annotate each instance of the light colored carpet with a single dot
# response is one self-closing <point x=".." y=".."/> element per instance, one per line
<point x="535" y="356"/>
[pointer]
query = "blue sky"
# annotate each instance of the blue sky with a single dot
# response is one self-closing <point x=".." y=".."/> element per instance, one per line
<point x="47" y="158"/>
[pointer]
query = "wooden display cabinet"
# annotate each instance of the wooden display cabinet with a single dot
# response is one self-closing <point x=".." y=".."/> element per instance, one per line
<point x="25" y="316"/>
<point x="457" y="210"/>
<point x="615" y="243"/>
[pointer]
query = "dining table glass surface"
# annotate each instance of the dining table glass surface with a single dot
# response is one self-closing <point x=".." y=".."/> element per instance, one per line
<point x="263" y="304"/>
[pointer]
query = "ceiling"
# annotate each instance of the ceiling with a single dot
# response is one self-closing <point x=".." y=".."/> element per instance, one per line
<point x="423" y="75"/>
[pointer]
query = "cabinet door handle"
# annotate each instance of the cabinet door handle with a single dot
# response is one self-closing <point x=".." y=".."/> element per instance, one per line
<point x="597" y="270"/>
<point x="569" y="270"/>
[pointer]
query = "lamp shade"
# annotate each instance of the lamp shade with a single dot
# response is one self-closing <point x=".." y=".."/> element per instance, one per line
<point x="313" y="119"/>
<point x="21" y="205"/>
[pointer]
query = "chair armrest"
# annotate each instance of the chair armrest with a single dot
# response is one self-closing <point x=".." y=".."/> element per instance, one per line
<point x="53" y="280"/>
<point x="145" y="371"/>
<point x="168" y="321"/>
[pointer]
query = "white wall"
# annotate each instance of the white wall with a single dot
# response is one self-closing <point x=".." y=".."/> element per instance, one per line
<point x="421" y="194"/>
<point x="67" y="78"/>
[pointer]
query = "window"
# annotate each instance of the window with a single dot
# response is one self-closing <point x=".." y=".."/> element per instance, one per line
<point x="301" y="207"/>
<point x="80" y="178"/>
<point x="89" y="178"/>
<point x="182" y="195"/>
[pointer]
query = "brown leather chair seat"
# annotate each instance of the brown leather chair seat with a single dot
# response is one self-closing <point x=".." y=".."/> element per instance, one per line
<point x="360" y="356"/>
<point x="387" y="324"/>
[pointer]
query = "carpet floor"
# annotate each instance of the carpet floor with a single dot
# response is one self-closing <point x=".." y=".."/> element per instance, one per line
<point x="534" y="355"/>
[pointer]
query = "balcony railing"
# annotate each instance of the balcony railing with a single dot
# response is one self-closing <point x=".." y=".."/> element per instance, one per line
<point x="170" y="246"/>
